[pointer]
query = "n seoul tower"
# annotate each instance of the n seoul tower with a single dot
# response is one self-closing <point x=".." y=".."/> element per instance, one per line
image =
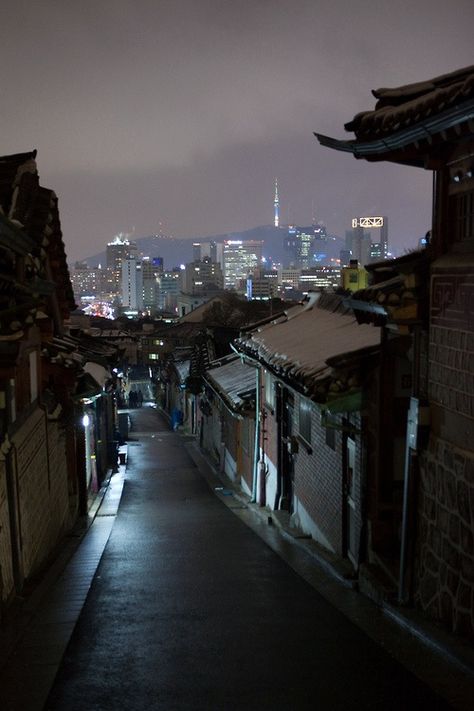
<point x="276" y="205"/>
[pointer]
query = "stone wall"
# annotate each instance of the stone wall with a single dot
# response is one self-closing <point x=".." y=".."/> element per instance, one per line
<point x="444" y="566"/>
<point x="452" y="369"/>
<point x="444" y="582"/>
<point x="6" y="567"/>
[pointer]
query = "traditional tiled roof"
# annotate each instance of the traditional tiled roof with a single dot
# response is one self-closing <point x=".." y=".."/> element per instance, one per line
<point x="76" y="352"/>
<point x="304" y="347"/>
<point x="234" y="381"/>
<point x="31" y="247"/>
<point x="397" y="294"/>
<point x="410" y="115"/>
<point x="9" y="168"/>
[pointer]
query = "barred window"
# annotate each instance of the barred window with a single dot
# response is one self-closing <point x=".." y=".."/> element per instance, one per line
<point x="462" y="213"/>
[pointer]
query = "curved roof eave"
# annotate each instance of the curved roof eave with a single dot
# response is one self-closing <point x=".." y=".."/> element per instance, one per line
<point x="428" y="128"/>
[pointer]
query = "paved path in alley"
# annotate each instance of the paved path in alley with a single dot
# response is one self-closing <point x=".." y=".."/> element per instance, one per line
<point x="190" y="610"/>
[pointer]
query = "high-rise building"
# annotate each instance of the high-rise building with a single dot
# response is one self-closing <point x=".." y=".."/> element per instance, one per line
<point x="320" y="277"/>
<point x="240" y="259"/>
<point x="320" y="242"/>
<point x="213" y="251"/>
<point x="290" y="245"/>
<point x="298" y="245"/>
<point x="197" y="252"/>
<point x="262" y="284"/>
<point x="202" y="276"/>
<point x="151" y="269"/>
<point x="169" y="284"/>
<point x="120" y="248"/>
<point x="289" y="277"/>
<point x="384" y="237"/>
<point x="132" y="284"/>
<point x="304" y="252"/>
<point x="360" y="242"/>
<point x="158" y="264"/>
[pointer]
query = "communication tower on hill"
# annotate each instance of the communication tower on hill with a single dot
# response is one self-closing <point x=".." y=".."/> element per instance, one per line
<point x="276" y="206"/>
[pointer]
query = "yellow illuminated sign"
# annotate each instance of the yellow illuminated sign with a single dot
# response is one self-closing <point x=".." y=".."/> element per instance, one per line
<point x="368" y="222"/>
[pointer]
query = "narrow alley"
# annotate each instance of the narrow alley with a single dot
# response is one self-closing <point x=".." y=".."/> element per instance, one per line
<point x="190" y="609"/>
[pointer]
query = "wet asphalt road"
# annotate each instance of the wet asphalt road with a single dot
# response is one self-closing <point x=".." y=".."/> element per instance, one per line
<point x="190" y="609"/>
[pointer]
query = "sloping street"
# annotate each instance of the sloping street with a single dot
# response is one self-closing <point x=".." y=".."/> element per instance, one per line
<point x="189" y="609"/>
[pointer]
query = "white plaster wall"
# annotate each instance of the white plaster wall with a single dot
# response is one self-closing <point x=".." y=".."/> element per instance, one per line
<point x="244" y="487"/>
<point x="270" y="483"/>
<point x="303" y="520"/>
<point x="230" y="465"/>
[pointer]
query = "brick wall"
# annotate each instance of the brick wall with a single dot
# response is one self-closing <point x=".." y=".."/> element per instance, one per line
<point x="318" y="484"/>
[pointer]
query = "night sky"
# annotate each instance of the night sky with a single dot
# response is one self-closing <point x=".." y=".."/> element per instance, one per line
<point x="181" y="113"/>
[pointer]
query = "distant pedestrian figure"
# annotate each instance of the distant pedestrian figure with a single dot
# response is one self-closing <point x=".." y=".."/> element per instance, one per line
<point x="132" y="399"/>
<point x="139" y="398"/>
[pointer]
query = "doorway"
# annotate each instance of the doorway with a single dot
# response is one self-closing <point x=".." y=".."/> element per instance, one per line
<point x="285" y="410"/>
<point x="350" y="487"/>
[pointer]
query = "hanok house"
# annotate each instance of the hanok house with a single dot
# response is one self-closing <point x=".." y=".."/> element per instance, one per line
<point x="313" y="363"/>
<point x="38" y="492"/>
<point x="396" y="300"/>
<point x="228" y="431"/>
<point x="430" y="125"/>
<point x="42" y="457"/>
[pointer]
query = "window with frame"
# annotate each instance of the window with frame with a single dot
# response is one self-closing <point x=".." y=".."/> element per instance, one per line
<point x="305" y="412"/>
<point x="462" y="206"/>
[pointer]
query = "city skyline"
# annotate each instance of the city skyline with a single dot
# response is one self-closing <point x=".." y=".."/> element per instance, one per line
<point x="182" y="114"/>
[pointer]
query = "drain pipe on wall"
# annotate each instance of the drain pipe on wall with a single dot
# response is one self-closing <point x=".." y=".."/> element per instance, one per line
<point x="256" y="449"/>
<point x="418" y="420"/>
<point x="256" y="454"/>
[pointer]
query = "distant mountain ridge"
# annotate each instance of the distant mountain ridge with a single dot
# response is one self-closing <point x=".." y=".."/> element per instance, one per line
<point x="176" y="250"/>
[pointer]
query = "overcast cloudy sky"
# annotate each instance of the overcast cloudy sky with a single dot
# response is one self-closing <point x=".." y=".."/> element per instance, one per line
<point x="182" y="112"/>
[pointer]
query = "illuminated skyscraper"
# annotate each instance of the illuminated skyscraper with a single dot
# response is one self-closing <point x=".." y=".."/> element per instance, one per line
<point x="197" y="252"/>
<point x="240" y="259"/>
<point x="298" y="246"/>
<point x="360" y="242"/>
<point x="276" y="205"/>
<point x="117" y="250"/>
<point x="132" y="284"/>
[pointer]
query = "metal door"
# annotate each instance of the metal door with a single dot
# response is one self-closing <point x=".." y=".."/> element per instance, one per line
<point x="284" y="404"/>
